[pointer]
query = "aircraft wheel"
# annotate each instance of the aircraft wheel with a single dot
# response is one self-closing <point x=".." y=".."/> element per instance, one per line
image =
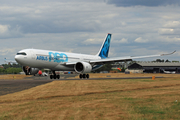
<point x="80" y="76"/>
<point x="58" y="76"/>
<point x="87" y="76"/>
<point x="51" y="77"/>
<point x="84" y="76"/>
<point x="54" y="76"/>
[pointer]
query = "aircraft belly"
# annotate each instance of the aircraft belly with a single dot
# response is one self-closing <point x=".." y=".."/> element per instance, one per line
<point x="43" y="64"/>
<point x="51" y="65"/>
<point x="61" y="67"/>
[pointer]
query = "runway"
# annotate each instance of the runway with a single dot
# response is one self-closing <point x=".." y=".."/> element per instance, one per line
<point x="12" y="86"/>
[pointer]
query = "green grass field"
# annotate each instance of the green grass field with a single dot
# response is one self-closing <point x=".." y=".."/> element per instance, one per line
<point x="133" y="99"/>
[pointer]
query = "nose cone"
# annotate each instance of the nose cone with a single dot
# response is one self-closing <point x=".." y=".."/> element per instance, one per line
<point x="21" y="57"/>
<point x="17" y="58"/>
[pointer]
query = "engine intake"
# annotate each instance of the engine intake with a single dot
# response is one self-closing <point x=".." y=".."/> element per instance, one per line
<point x="82" y="67"/>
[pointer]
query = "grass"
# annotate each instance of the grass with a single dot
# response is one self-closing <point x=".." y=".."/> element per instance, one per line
<point x="12" y="76"/>
<point x="130" y="99"/>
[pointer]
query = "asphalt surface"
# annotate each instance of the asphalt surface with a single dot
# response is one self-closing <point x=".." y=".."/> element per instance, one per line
<point x="12" y="86"/>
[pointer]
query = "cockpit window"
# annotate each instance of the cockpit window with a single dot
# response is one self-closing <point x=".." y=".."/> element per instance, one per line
<point x="22" y="53"/>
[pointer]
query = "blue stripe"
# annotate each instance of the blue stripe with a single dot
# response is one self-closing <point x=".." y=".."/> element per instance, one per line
<point x="105" y="49"/>
<point x="96" y="67"/>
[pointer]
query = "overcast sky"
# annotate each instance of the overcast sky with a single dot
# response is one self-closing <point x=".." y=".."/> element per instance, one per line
<point x="138" y="27"/>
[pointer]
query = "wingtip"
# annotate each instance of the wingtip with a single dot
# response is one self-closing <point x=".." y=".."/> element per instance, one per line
<point x="174" y="51"/>
<point x="169" y="53"/>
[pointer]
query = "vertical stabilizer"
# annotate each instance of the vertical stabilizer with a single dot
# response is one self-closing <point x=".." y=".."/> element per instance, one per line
<point x="103" y="52"/>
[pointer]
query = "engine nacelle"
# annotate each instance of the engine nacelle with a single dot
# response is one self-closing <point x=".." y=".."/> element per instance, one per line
<point x="82" y="67"/>
<point x="30" y="71"/>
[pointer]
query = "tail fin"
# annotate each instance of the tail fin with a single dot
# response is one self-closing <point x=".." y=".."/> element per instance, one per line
<point x="103" y="52"/>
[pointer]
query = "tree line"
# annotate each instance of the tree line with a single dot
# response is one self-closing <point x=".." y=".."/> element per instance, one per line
<point x="10" y="69"/>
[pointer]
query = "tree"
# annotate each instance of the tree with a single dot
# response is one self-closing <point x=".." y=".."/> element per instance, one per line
<point x="1" y="70"/>
<point x="159" y="60"/>
<point x="11" y="69"/>
<point x="123" y="69"/>
<point x="167" y="60"/>
<point x="175" y="61"/>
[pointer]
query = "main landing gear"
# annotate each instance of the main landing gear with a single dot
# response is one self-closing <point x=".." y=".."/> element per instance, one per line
<point x="54" y="76"/>
<point x="84" y="76"/>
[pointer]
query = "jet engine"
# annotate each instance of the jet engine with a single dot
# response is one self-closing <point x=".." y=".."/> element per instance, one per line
<point x="82" y="67"/>
<point x="30" y="71"/>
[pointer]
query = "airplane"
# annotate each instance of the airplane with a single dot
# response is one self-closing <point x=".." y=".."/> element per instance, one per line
<point x="34" y="59"/>
<point x="168" y="72"/>
<point x="8" y="61"/>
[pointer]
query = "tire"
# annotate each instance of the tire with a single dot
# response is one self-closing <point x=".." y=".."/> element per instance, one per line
<point x="87" y="76"/>
<point x="58" y="76"/>
<point x="51" y="77"/>
<point x="54" y="76"/>
<point x="80" y="76"/>
<point x="84" y="76"/>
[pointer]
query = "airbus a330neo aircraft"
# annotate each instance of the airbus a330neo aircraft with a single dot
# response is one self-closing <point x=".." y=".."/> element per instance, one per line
<point x="35" y="59"/>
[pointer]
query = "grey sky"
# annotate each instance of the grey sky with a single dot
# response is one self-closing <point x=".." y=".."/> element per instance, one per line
<point x="138" y="28"/>
<point x="127" y="3"/>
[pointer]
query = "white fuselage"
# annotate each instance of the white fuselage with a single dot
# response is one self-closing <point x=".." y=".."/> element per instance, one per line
<point x="54" y="60"/>
<point x="169" y="72"/>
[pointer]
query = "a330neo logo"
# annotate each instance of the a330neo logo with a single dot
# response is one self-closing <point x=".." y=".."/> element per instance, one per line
<point x="56" y="57"/>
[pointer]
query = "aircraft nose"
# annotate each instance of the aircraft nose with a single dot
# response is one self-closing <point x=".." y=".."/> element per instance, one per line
<point x="17" y="58"/>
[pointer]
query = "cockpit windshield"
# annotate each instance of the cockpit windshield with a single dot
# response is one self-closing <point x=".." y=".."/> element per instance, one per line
<point x="21" y="53"/>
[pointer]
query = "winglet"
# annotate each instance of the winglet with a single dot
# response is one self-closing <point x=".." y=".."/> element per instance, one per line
<point x="168" y="53"/>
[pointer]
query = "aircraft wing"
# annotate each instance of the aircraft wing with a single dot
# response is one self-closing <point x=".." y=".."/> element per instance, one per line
<point x="128" y="58"/>
<point x="119" y="59"/>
